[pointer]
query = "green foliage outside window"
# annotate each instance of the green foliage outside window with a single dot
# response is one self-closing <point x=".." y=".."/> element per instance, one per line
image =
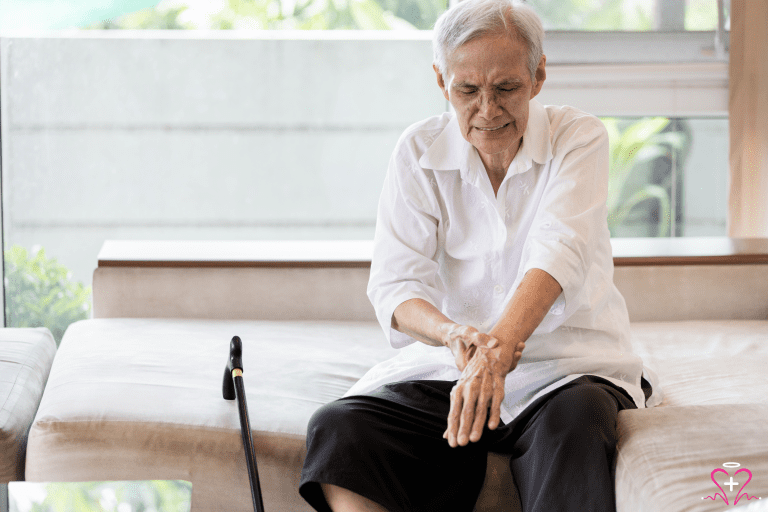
<point x="287" y="15"/>
<point x="39" y="292"/>
<point x="127" y="496"/>
<point x="635" y="149"/>
<point x="583" y="15"/>
<point x="593" y="15"/>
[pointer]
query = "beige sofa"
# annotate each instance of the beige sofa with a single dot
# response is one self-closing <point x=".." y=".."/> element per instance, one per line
<point x="135" y="393"/>
<point x="26" y="356"/>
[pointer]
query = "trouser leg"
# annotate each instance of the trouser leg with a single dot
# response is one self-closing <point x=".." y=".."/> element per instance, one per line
<point x="388" y="447"/>
<point x="563" y="458"/>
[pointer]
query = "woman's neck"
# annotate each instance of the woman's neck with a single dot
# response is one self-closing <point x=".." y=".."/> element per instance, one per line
<point x="497" y="164"/>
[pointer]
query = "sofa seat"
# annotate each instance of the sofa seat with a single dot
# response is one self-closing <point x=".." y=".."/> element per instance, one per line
<point x="134" y="399"/>
<point x="715" y="411"/>
<point x="141" y="399"/>
<point x="26" y="356"/>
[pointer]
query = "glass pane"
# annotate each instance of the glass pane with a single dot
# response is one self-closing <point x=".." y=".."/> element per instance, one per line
<point x="701" y="15"/>
<point x="283" y="15"/>
<point x="579" y="15"/>
<point x="634" y="15"/>
<point x="668" y="177"/>
<point x="626" y="15"/>
<point x="62" y="14"/>
<point x="117" y="496"/>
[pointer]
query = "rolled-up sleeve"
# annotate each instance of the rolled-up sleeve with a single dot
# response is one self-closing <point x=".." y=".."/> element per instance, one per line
<point x="572" y="215"/>
<point x="404" y="264"/>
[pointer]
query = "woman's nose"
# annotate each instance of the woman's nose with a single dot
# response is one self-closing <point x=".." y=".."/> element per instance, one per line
<point x="489" y="105"/>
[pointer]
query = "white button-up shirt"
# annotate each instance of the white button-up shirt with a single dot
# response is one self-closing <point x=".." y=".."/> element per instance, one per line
<point x="444" y="237"/>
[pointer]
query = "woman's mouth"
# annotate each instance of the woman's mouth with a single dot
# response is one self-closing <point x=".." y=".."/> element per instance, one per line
<point x="493" y="128"/>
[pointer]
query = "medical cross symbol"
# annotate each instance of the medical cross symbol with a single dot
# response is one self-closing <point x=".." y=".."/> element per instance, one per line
<point x="730" y="483"/>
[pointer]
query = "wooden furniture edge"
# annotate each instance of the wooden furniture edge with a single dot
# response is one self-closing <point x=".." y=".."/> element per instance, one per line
<point x="233" y="264"/>
<point x="631" y="252"/>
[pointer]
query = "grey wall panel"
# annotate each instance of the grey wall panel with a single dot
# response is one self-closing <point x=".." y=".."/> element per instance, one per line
<point x="202" y="135"/>
<point x="70" y="178"/>
<point x="138" y="81"/>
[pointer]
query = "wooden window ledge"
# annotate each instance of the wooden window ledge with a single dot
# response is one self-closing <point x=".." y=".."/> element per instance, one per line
<point x="357" y="253"/>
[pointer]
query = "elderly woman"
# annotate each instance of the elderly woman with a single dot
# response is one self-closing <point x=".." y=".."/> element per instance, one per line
<point x="492" y="272"/>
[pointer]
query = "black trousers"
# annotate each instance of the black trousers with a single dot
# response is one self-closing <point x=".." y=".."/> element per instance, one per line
<point x="388" y="447"/>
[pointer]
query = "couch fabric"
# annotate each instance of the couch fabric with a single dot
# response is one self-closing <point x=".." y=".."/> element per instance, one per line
<point x="653" y="292"/>
<point x="141" y="399"/>
<point x="715" y="410"/>
<point x="26" y="356"/>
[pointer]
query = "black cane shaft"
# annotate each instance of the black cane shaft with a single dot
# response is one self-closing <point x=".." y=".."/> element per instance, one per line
<point x="245" y="429"/>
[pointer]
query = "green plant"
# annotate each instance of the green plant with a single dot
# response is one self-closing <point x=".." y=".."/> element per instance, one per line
<point x="39" y="293"/>
<point x="594" y="14"/>
<point x="640" y="143"/>
<point x="118" y="496"/>
<point x="148" y="19"/>
<point x="284" y="15"/>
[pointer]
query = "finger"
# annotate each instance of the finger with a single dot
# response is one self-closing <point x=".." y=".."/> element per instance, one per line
<point x="451" y="431"/>
<point x="495" y="409"/>
<point x="467" y="416"/>
<point x="481" y="411"/>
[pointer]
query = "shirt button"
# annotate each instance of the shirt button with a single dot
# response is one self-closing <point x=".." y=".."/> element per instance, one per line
<point x="498" y="289"/>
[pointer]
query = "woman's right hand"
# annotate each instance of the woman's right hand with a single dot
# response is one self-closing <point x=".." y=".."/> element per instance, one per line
<point x="463" y="341"/>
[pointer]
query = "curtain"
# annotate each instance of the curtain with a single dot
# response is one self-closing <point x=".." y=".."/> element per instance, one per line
<point x="748" y="119"/>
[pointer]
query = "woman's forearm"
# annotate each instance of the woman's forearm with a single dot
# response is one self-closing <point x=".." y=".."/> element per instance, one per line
<point x="522" y="315"/>
<point x="422" y="321"/>
<point x="525" y="311"/>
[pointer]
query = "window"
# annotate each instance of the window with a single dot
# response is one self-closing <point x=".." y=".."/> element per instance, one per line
<point x="183" y="134"/>
<point x="627" y="15"/>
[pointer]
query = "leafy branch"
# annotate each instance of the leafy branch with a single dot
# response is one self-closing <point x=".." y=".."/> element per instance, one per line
<point x="640" y="143"/>
<point x="40" y="293"/>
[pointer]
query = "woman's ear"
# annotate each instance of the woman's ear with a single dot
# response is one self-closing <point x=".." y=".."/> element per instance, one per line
<point x="540" y="75"/>
<point x="440" y="81"/>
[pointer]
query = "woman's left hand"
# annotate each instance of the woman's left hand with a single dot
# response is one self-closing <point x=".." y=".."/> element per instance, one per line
<point x="480" y="390"/>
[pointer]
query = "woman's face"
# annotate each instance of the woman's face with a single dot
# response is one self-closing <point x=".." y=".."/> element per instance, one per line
<point x="488" y="83"/>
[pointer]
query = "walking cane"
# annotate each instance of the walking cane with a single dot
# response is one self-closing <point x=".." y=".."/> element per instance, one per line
<point x="233" y="387"/>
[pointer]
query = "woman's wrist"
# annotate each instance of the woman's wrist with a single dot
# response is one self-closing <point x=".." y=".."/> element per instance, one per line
<point x="448" y="333"/>
<point x="507" y="347"/>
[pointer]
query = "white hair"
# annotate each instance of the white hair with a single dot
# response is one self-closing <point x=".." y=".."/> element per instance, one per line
<point x="470" y="19"/>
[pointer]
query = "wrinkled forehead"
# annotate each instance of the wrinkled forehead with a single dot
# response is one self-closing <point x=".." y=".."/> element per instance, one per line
<point x="499" y="53"/>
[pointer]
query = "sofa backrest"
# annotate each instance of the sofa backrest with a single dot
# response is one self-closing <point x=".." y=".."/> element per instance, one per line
<point x="313" y="280"/>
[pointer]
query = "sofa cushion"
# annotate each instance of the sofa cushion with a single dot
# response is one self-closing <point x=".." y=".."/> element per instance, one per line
<point x="141" y="399"/>
<point x="715" y="411"/>
<point x="26" y="356"/>
<point x="667" y="454"/>
<point x="132" y="399"/>
<point x="706" y="362"/>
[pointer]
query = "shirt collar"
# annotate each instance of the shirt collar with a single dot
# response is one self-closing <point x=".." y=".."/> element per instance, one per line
<point x="451" y="151"/>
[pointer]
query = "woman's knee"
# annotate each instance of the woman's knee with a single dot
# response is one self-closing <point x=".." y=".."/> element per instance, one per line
<point x="583" y="411"/>
<point x="342" y="417"/>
